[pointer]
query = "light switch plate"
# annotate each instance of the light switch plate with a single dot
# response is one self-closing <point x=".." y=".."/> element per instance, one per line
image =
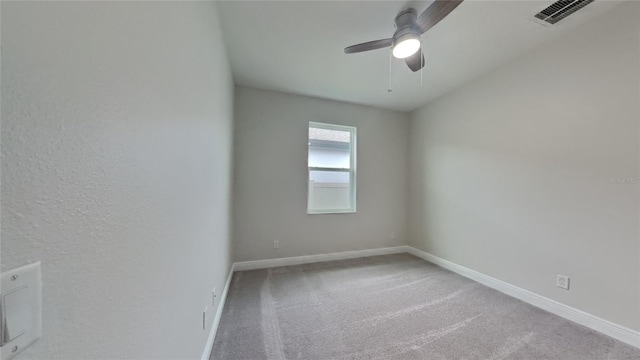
<point x="21" y="303"/>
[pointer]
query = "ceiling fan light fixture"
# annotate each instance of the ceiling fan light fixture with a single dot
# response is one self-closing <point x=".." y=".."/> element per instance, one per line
<point x="406" y="45"/>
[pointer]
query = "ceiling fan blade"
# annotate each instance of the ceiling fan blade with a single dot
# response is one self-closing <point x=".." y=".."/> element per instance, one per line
<point x="371" y="45"/>
<point x="415" y="61"/>
<point x="436" y="12"/>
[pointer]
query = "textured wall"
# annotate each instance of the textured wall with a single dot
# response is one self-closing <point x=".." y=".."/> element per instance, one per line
<point x="116" y="157"/>
<point x="517" y="175"/>
<point x="270" y="177"/>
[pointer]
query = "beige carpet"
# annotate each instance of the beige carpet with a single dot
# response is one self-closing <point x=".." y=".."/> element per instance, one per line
<point x="391" y="307"/>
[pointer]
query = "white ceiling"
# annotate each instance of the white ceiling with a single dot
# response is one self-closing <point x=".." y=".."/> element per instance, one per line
<point x="297" y="46"/>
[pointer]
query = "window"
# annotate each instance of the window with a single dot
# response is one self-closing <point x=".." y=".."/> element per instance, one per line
<point x="332" y="169"/>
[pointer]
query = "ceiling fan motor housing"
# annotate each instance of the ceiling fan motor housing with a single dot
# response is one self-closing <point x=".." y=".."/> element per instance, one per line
<point x="406" y="23"/>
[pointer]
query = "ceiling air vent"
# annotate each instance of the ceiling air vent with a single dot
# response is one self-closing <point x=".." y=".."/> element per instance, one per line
<point x="560" y="10"/>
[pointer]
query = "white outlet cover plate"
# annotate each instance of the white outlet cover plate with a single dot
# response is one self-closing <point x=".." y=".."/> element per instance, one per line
<point x="562" y="281"/>
<point x="28" y="276"/>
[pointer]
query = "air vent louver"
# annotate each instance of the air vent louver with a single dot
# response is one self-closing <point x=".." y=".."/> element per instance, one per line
<point x="561" y="9"/>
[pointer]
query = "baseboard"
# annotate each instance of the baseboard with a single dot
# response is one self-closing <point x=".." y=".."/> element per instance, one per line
<point x="619" y="332"/>
<point x="297" y="260"/>
<point x="216" y="319"/>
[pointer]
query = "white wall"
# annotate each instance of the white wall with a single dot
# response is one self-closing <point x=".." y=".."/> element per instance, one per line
<point x="511" y="174"/>
<point x="270" y="184"/>
<point x="116" y="158"/>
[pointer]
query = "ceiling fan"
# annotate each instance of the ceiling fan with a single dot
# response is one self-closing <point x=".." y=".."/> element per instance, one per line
<point x="405" y="42"/>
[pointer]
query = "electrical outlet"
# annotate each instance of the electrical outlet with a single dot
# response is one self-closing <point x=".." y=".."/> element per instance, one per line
<point x="213" y="296"/>
<point x="392" y="236"/>
<point x="276" y="244"/>
<point x="562" y="281"/>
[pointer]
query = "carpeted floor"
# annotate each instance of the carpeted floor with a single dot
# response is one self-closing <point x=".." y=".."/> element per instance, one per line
<point x="391" y="307"/>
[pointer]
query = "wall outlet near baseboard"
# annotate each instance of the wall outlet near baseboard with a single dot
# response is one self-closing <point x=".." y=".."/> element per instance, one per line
<point x="562" y="281"/>
<point x="276" y="244"/>
<point x="213" y="296"/>
<point x="392" y="236"/>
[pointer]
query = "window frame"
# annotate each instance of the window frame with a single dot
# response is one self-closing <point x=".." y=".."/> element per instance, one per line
<point x="353" y="131"/>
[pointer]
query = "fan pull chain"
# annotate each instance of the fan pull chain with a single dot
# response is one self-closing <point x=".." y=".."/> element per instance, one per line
<point x="389" y="88"/>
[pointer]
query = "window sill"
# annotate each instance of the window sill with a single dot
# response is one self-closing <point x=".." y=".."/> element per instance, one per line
<point x="326" y="212"/>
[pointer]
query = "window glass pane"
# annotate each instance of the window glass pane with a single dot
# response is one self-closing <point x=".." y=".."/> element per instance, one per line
<point x="326" y="157"/>
<point x="337" y="177"/>
<point x="329" y="135"/>
<point x="329" y="190"/>
<point x="329" y="148"/>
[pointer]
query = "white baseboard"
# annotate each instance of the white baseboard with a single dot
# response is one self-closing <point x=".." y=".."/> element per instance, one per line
<point x="297" y="260"/>
<point x="619" y="332"/>
<point x="216" y="319"/>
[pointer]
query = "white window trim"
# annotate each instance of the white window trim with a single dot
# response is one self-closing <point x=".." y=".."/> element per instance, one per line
<point x="352" y="168"/>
